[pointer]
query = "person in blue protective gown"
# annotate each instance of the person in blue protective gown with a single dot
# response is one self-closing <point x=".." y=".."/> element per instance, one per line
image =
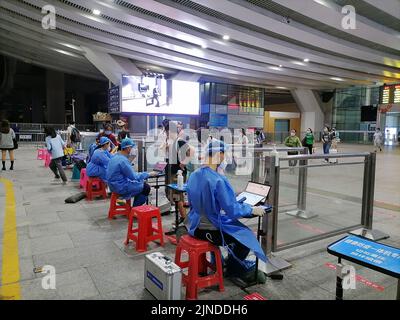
<point x="92" y="148"/>
<point x="122" y="178"/>
<point x="214" y="212"/>
<point x="97" y="167"/>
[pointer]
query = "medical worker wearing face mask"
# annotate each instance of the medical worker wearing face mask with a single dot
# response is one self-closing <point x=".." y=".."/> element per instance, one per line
<point x="108" y="133"/>
<point x="97" y="167"/>
<point x="122" y="178"/>
<point x="214" y="212"/>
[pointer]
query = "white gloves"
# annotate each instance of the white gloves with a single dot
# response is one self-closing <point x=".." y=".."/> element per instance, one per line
<point x="153" y="173"/>
<point x="258" y="211"/>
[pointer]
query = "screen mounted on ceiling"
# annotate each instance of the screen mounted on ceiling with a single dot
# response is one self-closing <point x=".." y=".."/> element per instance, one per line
<point x="156" y="95"/>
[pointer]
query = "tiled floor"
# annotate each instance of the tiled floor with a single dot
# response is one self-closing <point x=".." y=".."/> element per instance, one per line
<point x="91" y="261"/>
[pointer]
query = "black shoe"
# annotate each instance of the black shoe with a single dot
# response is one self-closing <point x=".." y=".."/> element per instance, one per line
<point x="11" y="168"/>
<point x="4" y="169"/>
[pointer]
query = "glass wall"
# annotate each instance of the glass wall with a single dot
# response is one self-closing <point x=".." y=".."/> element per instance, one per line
<point x="233" y="106"/>
<point x="347" y="111"/>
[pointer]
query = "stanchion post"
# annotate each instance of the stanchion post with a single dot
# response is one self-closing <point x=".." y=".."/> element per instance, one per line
<point x="367" y="215"/>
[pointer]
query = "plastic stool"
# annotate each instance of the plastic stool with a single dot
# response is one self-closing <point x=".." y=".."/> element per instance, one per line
<point x="116" y="209"/>
<point x="83" y="179"/>
<point x="41" y="154"/>
<point x="198" y="263"/>
<point x="95" y="187"/>
<point x="145" y="232"/>
<point x="47" y="159"/>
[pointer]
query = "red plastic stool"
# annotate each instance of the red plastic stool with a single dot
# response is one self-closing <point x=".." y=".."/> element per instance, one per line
<point x="47" y="159"/>
<point x="95" y="187"/>
<point x="198" y="263"/>
<point x="115" y="209"/>
<point x="41" y="154"/>
<point x="83" y="179"/>
<point x="145" y="232"/>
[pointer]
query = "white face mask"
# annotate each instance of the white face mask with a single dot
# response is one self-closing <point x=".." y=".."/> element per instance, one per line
<point x="308" y="131"/>
<point x="292" y="134"/>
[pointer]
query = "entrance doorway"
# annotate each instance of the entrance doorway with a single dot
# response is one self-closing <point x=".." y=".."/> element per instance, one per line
<point x="281" y="129"/>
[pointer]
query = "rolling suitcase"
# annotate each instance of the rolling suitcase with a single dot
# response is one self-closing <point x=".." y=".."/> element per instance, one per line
<point x="162" y="277"/>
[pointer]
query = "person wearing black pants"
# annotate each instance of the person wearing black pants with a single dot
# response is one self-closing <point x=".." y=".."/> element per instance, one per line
<point x="214" y="236"/>
<point x="56" y="167"/>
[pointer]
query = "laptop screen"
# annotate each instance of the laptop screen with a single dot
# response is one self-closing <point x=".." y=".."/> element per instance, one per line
<point x="259" y="189"/>
<point x="160" y="166"/>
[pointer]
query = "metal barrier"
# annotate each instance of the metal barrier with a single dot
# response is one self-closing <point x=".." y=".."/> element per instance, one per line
<point x="269" y="172"/>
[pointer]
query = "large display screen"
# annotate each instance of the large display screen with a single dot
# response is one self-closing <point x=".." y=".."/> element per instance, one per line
<point x="156" y="95"/>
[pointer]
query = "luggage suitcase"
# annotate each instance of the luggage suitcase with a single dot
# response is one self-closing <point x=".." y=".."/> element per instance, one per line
<point x="162" y="277"/>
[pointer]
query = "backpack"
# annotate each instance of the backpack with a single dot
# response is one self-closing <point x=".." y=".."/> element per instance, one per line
<point x="75" y="135"/>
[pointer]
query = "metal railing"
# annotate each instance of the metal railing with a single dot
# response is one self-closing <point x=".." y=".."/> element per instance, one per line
<point x="39" y="127"/>
<point x="268" y="170"/>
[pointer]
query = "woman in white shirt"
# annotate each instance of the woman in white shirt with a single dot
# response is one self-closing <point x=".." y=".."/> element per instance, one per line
<point x="7" y="136"/>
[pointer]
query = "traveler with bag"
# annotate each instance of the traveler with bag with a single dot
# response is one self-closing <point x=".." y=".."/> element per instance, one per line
<point x="74" y="136"/>
<point x="8" y="142"/>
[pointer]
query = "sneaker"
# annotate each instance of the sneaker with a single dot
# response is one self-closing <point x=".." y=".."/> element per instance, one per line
<point x="65" y="183"/>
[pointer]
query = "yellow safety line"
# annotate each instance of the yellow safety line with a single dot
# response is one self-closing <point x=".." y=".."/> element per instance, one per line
<point x="10" y="288"/>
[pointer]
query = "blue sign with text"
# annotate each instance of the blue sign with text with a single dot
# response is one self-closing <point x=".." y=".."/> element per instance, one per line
<point x="370" y="252"/>
<point x="113" y="100"/>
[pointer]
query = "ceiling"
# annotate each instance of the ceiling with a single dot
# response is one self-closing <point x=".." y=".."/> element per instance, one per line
<point x="268" y="39"/>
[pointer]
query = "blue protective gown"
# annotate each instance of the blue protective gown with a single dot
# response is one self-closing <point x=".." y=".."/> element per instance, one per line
<point x="211" y="194"/>
<point x="91" y="150"/>
<point x="98" y="164"/>
<point x="122" y="179"/>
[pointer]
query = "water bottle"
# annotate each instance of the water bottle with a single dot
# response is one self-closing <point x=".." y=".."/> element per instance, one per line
<point x="180" y="179"/>
<point x="275" y="153"/>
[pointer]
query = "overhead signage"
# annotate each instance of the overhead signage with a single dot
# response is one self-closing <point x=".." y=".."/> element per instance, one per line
<point x="389" y="94"/>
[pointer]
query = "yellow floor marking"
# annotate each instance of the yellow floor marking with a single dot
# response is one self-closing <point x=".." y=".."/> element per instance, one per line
<point x="10" y="288"/>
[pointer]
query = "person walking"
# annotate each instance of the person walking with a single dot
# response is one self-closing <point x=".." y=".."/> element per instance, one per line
<point x="378" y="139"/>
<point x="308" y="140"/>
<point x="292" y="141"/>
<point x="7" y="140"/>
<point x="326" y="142"/>
<point x="73" y="136"/>
<point x="56" y="145"/>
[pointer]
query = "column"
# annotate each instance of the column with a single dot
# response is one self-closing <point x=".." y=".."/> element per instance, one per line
<point x="55" y="97"/>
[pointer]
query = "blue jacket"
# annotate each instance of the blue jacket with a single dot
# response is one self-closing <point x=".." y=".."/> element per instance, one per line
<point x="212" y="195"/>
<point x="55" y="146"/>
<point x="122" y="179"/>
<point x="98" y="164"/>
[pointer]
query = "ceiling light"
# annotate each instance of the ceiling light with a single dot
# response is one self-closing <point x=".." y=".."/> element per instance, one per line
<point x="66" y="53"/>
<point x="298" y="63"/>
<point x="280" y="66"/>
<point x="204" y="46"/>
<point x="275" y="68"/>
<point x="283" y="88"/>
<point x="306" y="60"/>
<point x="96" y="12"/>
<point x="337" y="79"/>
<point x="226" y="37"/>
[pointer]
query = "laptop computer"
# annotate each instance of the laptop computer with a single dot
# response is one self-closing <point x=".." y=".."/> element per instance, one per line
<point x="254" y="194"/>
<point x="160" y="166"/>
